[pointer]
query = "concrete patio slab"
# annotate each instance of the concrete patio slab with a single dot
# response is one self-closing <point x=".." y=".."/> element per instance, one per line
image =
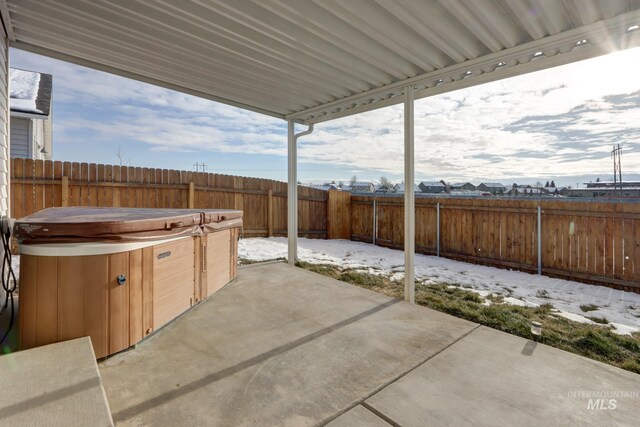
<point x="279" y="346"/>
<point x="358" y="416"/>
<point x="493" y="378"/>
<point x="53" y="385"/>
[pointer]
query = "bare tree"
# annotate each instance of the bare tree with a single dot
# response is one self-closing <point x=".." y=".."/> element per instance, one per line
<point x="121" y="157"/>
<point x="353" y="181"/>
<point x="384" y="181"/>
<point x="340" y="184"/>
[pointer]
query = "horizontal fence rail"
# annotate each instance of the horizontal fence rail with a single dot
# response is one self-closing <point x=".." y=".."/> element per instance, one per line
<point x="594" y="242"/>
<point x="40" y="184"/>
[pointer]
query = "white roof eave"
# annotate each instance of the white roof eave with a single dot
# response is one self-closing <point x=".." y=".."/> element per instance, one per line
<point x="286" y="62"/>
<point x="602" y="37"/>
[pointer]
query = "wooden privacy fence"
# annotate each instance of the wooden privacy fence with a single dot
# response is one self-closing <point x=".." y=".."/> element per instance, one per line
<point x="38" y="184"/>
<point x="592" y="241"/>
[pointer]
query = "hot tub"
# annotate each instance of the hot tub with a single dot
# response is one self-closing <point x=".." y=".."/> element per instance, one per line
<point x="118" y="275"/>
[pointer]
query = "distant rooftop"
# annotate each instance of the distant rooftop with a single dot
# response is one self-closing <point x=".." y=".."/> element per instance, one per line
<point x="30" y="92"/>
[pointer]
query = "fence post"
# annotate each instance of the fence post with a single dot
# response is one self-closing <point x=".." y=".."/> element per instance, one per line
<point x="64" y="200"/>
<point x="438" y="229"/>
<point x="270" y="213"/>
<point x="374" y="231"/>
<point x="539" y="240"/>
<point x="192" y="195"/>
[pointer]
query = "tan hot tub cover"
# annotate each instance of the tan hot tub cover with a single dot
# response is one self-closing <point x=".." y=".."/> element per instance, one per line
<point x="82" y="224"/>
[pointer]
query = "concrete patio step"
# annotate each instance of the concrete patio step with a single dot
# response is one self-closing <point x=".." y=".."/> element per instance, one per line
<point x="53" y="385"/>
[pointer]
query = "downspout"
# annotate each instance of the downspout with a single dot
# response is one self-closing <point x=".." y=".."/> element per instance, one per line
<point x="303" y="133"/>
<point x="292" y="193"/>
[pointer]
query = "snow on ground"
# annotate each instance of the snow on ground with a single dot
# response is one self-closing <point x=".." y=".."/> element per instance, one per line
<point x="24" y="90"/>
<point x="15" y="265"/>
<point x="621" y="309"/>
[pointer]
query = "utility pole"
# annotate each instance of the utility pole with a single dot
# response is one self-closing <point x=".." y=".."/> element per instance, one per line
<point x="199" y="167"/>
<point x="616" y="155"/>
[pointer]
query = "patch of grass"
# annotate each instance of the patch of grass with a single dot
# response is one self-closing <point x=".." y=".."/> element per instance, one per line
<point x="495" y="298"/>
<point x="601" y="320"/>
<point x="588" y="307"/>
<point x="593" y="341"/>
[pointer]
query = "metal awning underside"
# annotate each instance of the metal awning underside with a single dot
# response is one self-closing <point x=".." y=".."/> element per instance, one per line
<point x="312" y="61"/>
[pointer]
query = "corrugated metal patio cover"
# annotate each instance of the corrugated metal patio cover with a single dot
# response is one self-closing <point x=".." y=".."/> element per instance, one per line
<point x="316" y="60"/>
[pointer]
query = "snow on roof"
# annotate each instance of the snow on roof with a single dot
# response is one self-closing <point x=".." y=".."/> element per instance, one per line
<point x="493" y="184"/>
<point x="24" y="90"/>
<point x="324" y="187"/>
<point x="30" y="92"/>
<point x="473" y="193"/>
<point x="529" y="189"/>
<point x="432" y="184"/>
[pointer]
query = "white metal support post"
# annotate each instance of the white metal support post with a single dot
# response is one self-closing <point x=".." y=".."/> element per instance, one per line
<point x="409" y="197"/>
<point x="292" y="195"/>
<point x="292" y="190"/>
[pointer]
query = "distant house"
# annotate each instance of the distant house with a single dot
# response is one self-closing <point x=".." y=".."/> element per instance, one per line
<point x="360" y="187"/>
<point x="384" y="189"/>
<point x="552" y="190"/>
<point x="463" y="186"/>
<point x="527" y="190"/>
<point x="30" y="125"/>
<point x="399" y="188"/>
<point x="325" y="187"/>
<point x="492" y="187"/>
<point x="612" y="184"/>
<point x="605" y="189"/>
<point x="432" y="187"/>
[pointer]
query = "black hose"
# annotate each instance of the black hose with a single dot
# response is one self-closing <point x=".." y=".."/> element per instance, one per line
<point x="8" y="280"/>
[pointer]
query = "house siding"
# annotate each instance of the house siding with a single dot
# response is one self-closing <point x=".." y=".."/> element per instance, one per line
<point x="20" y="137"/>
<point x="48" y="135"/>
<point x="4" y="124"/>
<point x="4" y="132"/>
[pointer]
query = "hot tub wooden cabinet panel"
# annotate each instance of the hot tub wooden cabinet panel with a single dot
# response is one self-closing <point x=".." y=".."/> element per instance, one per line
<point x="174" y="280"/>
<point x="120" y="292"/>
<point x="219" y="265"/>
<point x="63" y="298"/>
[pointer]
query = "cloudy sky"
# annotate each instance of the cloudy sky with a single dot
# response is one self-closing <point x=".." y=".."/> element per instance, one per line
<point x="555" y="124"/>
